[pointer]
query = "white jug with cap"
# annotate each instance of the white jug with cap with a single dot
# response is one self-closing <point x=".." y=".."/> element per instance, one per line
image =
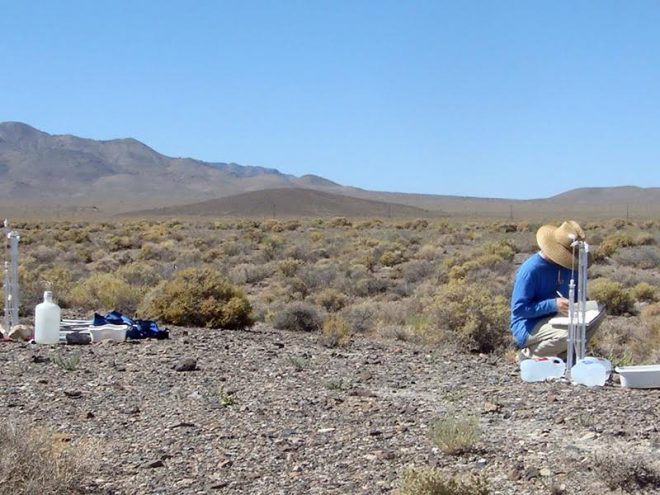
<point x="47" y="321"/>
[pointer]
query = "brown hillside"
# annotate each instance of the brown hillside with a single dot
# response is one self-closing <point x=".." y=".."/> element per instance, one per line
<point x="292" y="202"/>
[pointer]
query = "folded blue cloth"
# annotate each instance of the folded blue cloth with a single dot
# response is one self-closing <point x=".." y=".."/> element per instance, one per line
<point x="140" y="329"/>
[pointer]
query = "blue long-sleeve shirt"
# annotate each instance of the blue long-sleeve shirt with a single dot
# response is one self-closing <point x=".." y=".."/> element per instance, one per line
<point x="534" y="294"/>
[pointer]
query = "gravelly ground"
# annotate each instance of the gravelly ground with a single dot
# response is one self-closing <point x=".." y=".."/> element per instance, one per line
<point x="311" y="420"/>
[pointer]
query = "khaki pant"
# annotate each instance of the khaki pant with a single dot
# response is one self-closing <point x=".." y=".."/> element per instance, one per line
<point x="550" y="340"/>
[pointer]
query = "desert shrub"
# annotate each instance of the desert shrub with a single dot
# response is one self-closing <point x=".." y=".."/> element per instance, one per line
<point x="140" y="273"/>
<point x="644" y="257"/>
<point x="105" y="291"/>
<point x="288" y="267"/>
<point x="199" y="297"/>
<point x="416" y="270"/>
<point x="299" y="317"/>
<point x="651" y="311"/>
<point x="45" y="254"/>
<point x="361" y="318"/>
<point x="331" y="299"/>
<point x="339" y="222"/>
<point x="612" y="243"/>
<point x="370" y="286"/>
<point x="612" y="294"/>
<point x="429" y="252"/>
<point x="644" y="292"/>
<point x="433" y="481"/>
<point x="476" y="318"/>
<point x="335" y="333"/>
<point x="392" y="258"/>
<point x="455" y="433"/>
<point x="248" y="273"/>
<point x="626" y="471"/>
<point x="164" y="251"/>
<point x="35" y="461"/>
<point x="493" y="256"/>
<point x="397" y="332"/>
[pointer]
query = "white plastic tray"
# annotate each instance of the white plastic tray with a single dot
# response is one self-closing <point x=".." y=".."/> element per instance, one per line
<point x="108" y="332"/>
<point x="645" y="376"/>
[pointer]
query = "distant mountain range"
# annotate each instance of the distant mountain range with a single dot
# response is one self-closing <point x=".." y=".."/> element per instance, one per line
<point x="49" y="174"/>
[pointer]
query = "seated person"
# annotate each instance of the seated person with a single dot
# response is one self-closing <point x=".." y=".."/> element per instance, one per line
<point x="540" y="292"/>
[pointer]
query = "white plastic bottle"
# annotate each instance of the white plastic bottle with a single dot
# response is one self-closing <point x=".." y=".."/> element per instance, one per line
<point x="589" y="372"/>
<point x="47" y="321"/>
<point x="540" y="369"/>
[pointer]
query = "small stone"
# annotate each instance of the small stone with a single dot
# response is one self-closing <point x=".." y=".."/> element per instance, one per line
<point x="482" y="463"/>
<point x="326" y="430"/>
<point x="40" y="359"/>
<point x="375" y="433"/>
<point x="187" y="364"/>
<point x="491" y="407"/>
<point x="74" y="394"/>
<point x="154" y="464"/>
<point x="587" y="436"/>
<point x="545" y="472"/>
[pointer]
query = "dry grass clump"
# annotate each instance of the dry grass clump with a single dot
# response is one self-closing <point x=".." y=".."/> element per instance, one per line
<point x="455" y="433"/>
<point x="35" y="460"/>
<point x="335" y="333"/>
<point x="433" y="481"/>
<point x="199" y="297"/>
<point x="627" y="471"/>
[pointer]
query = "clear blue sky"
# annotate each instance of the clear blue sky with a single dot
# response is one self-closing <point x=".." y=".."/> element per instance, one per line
<point x="517" y="99"/>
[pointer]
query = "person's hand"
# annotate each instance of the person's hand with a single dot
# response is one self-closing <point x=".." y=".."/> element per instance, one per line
<point x="562" y="306"/>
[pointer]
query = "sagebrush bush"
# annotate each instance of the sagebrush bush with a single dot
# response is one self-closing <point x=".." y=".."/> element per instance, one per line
<point x="331" y="299"/>
<point x="613" y="295"/>
<point x="299" y="317"/>
<point x="361" y="318"/>
<point x="199" y="297"/>
<point x="335" y="333"/>
<point x="643" y="257"/>
<point x="476" y="318"/>
<point x="105" y="291"/>
<point x="37" y="461"/>
<point x="644" y="292"/>
<point x="433" y="481"/>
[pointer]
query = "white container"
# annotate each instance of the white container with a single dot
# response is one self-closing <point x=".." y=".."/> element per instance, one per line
<point x="590" y="372"/>
<point x="607" y="364"/>
<point x="47" y="321"/>
<point x="646" y="376"/>
<point x="540" y="369"/>
<point x="108" y="332"/>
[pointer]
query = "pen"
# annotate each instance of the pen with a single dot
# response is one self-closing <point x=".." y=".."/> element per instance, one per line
<point x="559" y="294"/>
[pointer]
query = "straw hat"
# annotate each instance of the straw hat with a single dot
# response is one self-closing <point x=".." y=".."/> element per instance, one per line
<point x="555" y="242"/>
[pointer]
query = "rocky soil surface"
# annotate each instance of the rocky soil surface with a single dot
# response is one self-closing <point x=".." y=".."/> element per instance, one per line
<point x="271" y="412"/>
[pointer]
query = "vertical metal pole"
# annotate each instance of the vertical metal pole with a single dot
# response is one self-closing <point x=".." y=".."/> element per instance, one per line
<point x="15" y="298"/>
<point x="7" y="294"/>
<point x="582" y="299"/>
<point x="570" y="339"/>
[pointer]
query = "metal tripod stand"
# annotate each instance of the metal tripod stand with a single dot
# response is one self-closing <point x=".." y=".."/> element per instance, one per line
<point x="576" y="342"/>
